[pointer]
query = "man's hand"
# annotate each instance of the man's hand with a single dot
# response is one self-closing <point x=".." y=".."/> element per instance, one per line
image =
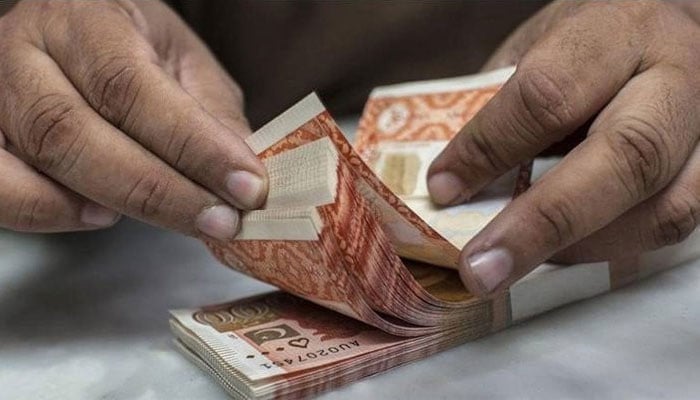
<point x="629" y="69"/>
<point x="112" y="108"/>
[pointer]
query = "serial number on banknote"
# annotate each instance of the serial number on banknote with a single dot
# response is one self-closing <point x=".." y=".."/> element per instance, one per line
<point x="311" y="355"/>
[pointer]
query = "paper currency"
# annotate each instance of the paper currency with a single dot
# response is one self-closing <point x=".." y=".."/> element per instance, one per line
<point x="352" y="234"/>
<point x="279" y="346"/>
<point x="347" y="231"/>
<point x="404" y="127"/>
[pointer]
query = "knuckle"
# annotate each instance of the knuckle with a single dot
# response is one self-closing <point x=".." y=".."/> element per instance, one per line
<point x="178" y="145"/>
<point x="183" y="137"/>
<point x="114" y="88"/>
<point x="239" y="96"/>
<point x="477" y="146"/>
<point x="640" y="156"/>
<point x="51" y="131"/>
<point x="28" y="213"/>
<point x="545" y="97"/>
<point x="147" y="196"/>
<point x="675" y="220"/>
<point x="555" y="217"/>
<point x="16" y="78"/>
<point x="133" y="13"/>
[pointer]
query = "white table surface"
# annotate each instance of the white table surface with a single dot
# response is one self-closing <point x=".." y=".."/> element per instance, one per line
<point x="84" y="316"/>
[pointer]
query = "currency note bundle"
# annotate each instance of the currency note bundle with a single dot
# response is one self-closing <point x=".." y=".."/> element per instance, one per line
<point x="366" y="263"/>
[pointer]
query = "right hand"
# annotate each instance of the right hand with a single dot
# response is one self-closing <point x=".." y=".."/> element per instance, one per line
<point x="626" y="73"/>
<point x="110" y="108"/>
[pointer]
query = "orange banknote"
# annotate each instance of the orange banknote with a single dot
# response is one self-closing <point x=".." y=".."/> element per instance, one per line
<point x="371" y="262"/>
<point x="346" y="232"/>
<point x="278" y="346"/>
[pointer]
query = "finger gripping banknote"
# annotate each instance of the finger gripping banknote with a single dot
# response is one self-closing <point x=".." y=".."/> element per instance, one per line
<point x="365" y="261"/>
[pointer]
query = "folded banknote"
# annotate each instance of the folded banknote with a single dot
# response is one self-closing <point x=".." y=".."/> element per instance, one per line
<point x="366" y="263"/>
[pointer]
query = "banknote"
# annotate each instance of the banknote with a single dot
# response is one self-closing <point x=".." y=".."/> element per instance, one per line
<point x="349" y="235"/>
<point x="404" y="127"/>
<point x="276" y="345"/>
<point x="366" y="263"/>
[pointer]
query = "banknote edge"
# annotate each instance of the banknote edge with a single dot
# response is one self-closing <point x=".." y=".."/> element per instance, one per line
<point x="320" y="181"/>
<point x="281" y="224"/>
<point x="532" y="295"/>
<point x="195" y="359"/>
<point x="229" y="347"/>
<point x="460" y="83"/>
<point x="294" y="117"/>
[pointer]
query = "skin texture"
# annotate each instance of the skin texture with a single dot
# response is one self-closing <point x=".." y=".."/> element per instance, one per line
<point x="113" y="108"/>
<point x="626" y="73"/>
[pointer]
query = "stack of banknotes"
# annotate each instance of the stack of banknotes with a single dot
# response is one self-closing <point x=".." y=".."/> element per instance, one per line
<point x="365" y="262"/>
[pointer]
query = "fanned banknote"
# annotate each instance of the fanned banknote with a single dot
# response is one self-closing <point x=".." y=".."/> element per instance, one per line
<point x="368" y="263"/>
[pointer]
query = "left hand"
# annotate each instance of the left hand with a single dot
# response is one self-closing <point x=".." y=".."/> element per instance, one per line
<point x="117" y="107"/>
<point x="633" y="184"/>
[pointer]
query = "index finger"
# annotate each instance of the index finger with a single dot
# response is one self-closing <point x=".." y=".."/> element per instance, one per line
<point x="636" y="147"/>
<point x="122" y="80"/>
<point x="53" y="129"/>
<point x="556" y="88"/>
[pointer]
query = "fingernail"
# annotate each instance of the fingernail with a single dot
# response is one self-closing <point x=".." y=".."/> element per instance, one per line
<point x="490" y="267"/>
<point x="246" y="188"/>
<point x="445" y="188"/>
<point x="219" y="222"/>
<point x="96" y="215"/>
